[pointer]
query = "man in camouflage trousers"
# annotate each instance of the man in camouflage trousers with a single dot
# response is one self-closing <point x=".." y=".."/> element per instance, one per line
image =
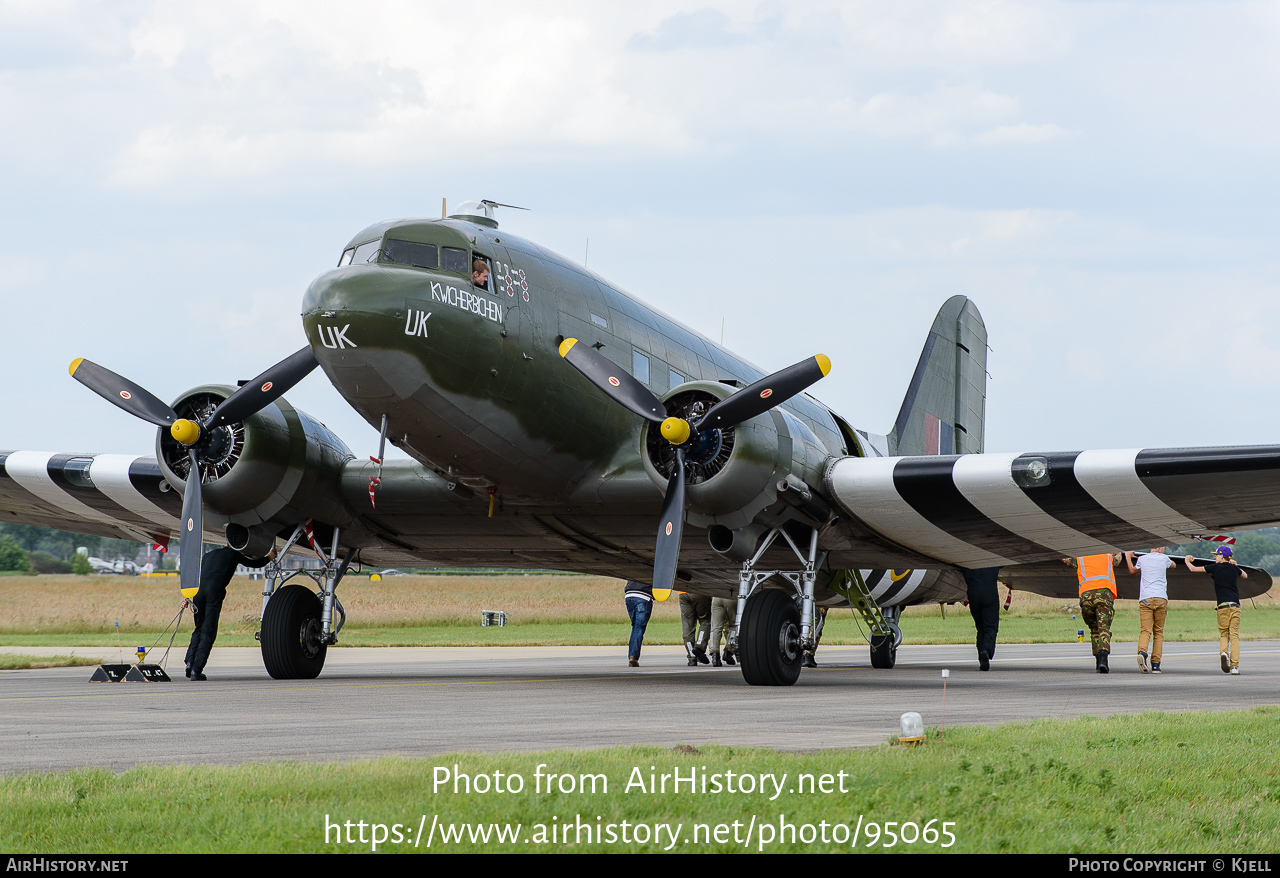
<point x="1097" y="601"/>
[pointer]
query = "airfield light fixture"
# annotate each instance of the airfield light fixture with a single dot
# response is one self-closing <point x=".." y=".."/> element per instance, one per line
<point x="912" y="725"/>
<point x="248" y="400"/>
<point x="743" y="405"/>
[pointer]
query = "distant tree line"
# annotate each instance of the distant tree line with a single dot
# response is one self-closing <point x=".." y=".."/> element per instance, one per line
<point x="30" y="549"/>
<point x="1253" y="548"/>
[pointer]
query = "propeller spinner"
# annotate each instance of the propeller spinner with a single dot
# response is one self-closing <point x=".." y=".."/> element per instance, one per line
<point x="743" y="405"/>
<point x="249" y="399"/>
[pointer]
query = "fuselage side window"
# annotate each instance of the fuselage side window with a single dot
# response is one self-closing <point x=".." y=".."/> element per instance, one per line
<point x="481" y="276"/>
<point x="409" y="253"/>
<point x="455" y="259"/>
<point x="640" y="367"/>
<point x="366" y="252"/>
<point x="346" y="256"/>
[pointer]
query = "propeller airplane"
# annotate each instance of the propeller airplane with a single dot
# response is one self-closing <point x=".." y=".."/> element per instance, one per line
<point x="550" y="419"/>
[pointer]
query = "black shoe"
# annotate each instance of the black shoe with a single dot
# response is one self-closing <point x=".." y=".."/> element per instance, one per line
<point x="198" y="676"/>
<point x="1155" y="667"/>
<point x="1102" y="663"/>
<point x="702" y="656"/>
<point x="188" y="672"/>
<point x="809" y="661"/>
<point x="729" y="659"/>
<point x="984" y="660"/>
<point x="715" y="659"/>
<point x="693" y="662"/>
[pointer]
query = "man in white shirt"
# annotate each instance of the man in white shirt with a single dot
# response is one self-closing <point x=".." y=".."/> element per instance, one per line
<point x="1153" y="604"/>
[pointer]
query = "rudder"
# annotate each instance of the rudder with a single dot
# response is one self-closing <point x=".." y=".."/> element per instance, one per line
<point x="945" y="407"/>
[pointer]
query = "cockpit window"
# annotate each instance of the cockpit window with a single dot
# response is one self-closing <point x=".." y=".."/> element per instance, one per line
<point x="367" y="252"/>
<point x="480" y="274"/>
<point x="346" y="256"/>
<point x="409" y="253"/>
<point x="455" y="259"/>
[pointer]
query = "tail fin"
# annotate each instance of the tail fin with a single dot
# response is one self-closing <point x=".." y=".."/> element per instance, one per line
<point x="946" y="404"/>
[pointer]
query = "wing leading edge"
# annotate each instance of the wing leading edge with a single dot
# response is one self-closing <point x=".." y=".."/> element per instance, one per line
<point x="987" y="510"/>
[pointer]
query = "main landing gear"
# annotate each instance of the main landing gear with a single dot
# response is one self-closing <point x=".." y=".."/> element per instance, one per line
<point x="771" y="633"/>
<point x="297" y="623"/>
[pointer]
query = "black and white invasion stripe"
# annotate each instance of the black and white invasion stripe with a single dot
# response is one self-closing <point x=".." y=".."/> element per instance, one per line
<point x="969" y="511"/>
<point x="88" y="493"/>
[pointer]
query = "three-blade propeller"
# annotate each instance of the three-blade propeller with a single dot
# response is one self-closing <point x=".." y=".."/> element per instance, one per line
<point x="741" y="406"/>
<point x="247" y="400"/>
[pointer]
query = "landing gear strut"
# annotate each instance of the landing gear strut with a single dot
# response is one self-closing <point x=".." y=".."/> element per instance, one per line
<point x="770" y="634"/>
<point x="297" y="624"/>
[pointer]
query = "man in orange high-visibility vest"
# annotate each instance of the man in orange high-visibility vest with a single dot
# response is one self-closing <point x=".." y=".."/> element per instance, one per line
<point x="1097" y="601"/>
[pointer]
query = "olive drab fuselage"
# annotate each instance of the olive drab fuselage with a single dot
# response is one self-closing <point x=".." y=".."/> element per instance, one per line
<point x="470" y="382"/>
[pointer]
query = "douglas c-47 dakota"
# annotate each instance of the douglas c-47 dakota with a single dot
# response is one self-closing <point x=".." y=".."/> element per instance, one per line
<point x="554" y="421"/>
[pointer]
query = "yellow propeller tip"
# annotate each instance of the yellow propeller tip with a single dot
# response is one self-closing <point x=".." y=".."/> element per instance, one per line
<point x="566" y="346"/>
<point x="75" y="364"/>
<point x="824" y="363"/>
<point x="189" y="593"/>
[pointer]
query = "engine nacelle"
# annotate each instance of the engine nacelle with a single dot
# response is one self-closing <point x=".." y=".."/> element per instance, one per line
<point x="733" y="474"/>
<point x="276" y="467"/>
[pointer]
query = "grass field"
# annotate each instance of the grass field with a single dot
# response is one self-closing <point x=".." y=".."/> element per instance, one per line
<point x="1170" y="783"/>
<point x="19" y="662"/>
<point x="543" y="610"/>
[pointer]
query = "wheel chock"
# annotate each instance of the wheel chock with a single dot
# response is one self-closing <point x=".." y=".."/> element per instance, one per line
<point x="105" y="673"/>
<point x="146" y="674"/>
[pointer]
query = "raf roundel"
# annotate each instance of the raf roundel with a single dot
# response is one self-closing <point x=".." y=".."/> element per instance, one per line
<point x="614" y="381"/>
<point x="191" y="522"/>
<point x="266" y="387"/>
<point x="124" y="394"/>
<point x="766" y="393"/>
<point x="668" y="528"/>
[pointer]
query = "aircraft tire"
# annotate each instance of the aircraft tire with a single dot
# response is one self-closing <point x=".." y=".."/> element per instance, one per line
<point x="291" y="647"/>
<point x="770" y="639"/>
<point x="884" y="650"/>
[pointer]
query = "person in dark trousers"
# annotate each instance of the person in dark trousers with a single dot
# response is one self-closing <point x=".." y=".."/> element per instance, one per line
<point x="984" y="606"/>
<point x="216" y="569"/>
<point x="639" y="599"/>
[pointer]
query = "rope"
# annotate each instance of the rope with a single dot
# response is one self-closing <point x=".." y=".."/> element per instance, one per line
<point x="174" y="623"/>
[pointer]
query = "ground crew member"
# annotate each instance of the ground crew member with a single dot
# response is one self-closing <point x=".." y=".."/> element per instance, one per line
<point x="216" y="569"/>
<point x="1227" y="590"/>
<point x="638" y="597"/>
<point x="984" y="606"/>
<point x="723" y="612"/>
<point x="819" y="622"/>
<point x="695" y="619"/>
<point x="1153" y="604"/>
<point x="1097" y="601"/>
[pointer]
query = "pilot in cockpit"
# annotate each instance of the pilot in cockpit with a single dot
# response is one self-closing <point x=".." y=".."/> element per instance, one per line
<point x="480" y="273"/>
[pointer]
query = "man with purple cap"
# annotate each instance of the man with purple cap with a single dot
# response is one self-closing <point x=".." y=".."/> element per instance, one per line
<point x="1225" y="573"/>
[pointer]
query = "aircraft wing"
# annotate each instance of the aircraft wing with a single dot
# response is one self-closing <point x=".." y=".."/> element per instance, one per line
<point x="1057" y="580"/>
<point x="112" y="495"/>
<point x="989" y="510"/>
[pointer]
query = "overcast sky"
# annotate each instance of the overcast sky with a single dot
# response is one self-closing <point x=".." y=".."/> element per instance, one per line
<point x="1100" y="178"/>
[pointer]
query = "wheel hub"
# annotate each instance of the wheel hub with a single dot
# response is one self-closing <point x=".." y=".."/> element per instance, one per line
<point x="309" y="637"/>
<point x="789" y="641"/>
